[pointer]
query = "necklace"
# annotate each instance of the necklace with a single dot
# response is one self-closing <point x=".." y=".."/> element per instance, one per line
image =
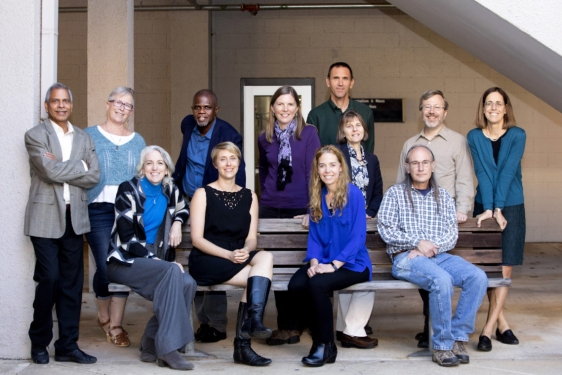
<point x="150" y="191"/>
<point x="489" y="135"/>
<point x="120" y="136"/>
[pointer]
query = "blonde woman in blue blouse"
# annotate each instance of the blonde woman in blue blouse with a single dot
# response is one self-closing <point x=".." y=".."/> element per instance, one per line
<point x="497" y="146"/>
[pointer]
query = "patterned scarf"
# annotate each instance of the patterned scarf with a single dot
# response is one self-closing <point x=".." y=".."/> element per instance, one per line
<point x="284" y="157"/>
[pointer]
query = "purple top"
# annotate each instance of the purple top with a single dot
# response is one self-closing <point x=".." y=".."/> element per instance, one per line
<point x="295" y="194"/>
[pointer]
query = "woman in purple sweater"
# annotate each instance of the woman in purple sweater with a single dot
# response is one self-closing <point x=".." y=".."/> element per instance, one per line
<point x="287" y="148"/>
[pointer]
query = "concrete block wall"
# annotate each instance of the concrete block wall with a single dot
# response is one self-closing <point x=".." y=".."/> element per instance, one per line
<point x="152" y="77"/>
<point x="152" y="71"/>
<point x="392" y="55"/>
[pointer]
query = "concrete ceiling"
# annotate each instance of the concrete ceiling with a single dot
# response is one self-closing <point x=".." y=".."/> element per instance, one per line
<point x="494" y="41"/>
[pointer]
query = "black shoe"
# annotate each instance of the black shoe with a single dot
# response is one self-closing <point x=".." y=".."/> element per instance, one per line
<point x="284" y="336"/>
<point x="507" y="337"/>
<point x="39" y="354"/>
<point x="339" y="335"/>
<point x="257" y="292"/>
<point x="423" y="340"/>
<point x="212" y="335"/>
<point x="484" y="344"/>
<point x="320" y="354"/>
<point x="77" y="356"/>
<point x="243" y="352"/>
<point x="368" y="329"/>
<point x="203" y="328"/>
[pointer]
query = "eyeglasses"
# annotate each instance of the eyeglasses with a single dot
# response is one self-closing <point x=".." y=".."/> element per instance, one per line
<point x="120" y="104"/>
<point x="437" y="107"/>
<point x="416" y="164"/>
<point x="205" y="108"/>
<point x="491" y="104"/>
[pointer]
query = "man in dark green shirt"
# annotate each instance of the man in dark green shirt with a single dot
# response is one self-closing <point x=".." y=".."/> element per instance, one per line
<point x="326" y="116"/>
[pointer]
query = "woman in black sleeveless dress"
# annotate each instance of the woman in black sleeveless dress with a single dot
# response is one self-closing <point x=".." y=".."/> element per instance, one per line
<point x="224" y="224"/>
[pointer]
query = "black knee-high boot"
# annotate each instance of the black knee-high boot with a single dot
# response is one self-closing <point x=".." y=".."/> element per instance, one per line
<point x="243" y="352"/>
<point x="257" y="292"/>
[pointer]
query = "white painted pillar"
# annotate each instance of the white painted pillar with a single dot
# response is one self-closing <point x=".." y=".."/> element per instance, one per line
<point x="110" y="53"/>
<point x="110" y="62"/>
<point x="20" y="43"/>
<point x="49" y="46"/>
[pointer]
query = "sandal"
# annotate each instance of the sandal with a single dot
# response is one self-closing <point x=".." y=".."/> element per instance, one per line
<point x="121" y="339"/>
<point x="102" y="325"/>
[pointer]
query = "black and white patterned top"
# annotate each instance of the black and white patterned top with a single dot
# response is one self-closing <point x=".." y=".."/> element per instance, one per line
<point x="359" y="172"/>
<point x="128" y="238"/>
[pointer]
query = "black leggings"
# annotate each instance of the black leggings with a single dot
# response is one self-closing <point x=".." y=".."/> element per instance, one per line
<point x="311" y="297"/>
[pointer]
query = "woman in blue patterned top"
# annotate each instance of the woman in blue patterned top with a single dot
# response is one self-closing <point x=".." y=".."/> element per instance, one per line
<point x="497" y="146"/>
<point x="149" y="214"/>
<point x="118" y="151"/>
<point x="354" y="309"/>
<point x="336" y="254"/>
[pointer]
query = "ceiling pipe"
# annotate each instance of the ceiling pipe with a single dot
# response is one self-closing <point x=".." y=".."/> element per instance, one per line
<point x="241" y="7"/>
<point x="194" y="3"/>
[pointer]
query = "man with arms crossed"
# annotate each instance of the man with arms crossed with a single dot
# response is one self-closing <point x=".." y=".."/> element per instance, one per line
<point x="418" y="221"/>
<point x="201" y="132"/>
<point x="453" y="172"/>
<point x="63" y="164"/>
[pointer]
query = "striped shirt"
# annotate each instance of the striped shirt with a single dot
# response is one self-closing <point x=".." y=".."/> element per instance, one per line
<point x="403" y="228"/>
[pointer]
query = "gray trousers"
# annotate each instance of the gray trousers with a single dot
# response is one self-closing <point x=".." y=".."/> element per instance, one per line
<point x="171" y="292"/>
<point x="211" y="309"/>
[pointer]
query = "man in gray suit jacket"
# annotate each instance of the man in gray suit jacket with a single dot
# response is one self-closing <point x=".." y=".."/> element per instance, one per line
<point x="63" y="163"/>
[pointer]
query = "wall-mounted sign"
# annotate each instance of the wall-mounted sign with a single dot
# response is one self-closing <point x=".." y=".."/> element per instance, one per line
<point x="386" y="110"/>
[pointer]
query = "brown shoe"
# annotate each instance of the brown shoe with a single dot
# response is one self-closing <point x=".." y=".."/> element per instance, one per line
<point x="121" y="340"/>
<point x="358" y="342"/>
<point x="283" y="336"/>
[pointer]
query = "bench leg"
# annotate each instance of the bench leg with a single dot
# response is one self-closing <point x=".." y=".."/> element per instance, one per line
<point x="429" y="351"/>
<point x="189" y="348"/>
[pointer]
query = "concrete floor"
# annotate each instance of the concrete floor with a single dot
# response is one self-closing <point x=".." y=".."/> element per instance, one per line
<point x="534" y="310"/>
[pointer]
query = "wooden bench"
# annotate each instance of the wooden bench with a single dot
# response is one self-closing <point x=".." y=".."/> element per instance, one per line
<point x="287" y="240"/>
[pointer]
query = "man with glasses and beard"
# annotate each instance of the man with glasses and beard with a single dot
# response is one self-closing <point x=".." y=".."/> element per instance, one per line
<point x="453" y="172"/>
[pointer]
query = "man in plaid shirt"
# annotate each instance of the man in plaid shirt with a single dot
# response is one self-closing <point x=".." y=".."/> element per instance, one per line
<point x="418" y="222"/>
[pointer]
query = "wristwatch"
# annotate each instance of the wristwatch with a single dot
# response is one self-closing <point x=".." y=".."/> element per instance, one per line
<point x="497" y="209"/>
<point x="335" y="267"/>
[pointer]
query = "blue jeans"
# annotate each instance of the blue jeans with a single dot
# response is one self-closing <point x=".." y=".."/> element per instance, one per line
<point x="102" y="217"/>
<point x="438" y="275"/>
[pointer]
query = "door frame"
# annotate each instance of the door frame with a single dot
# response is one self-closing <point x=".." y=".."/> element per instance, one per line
<point x="251" y="87"/>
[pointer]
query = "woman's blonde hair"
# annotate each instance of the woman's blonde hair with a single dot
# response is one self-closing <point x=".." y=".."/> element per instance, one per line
<point x="316" y="184"/>
<point x="228" y="146"/>
<point x="270" y="127"/>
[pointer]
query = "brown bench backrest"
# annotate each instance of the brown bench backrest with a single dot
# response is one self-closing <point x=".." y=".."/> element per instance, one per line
<point x="287" y="240"/>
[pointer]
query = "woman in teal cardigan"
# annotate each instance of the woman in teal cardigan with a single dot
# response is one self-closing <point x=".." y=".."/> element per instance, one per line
<point x="497" y="146"/>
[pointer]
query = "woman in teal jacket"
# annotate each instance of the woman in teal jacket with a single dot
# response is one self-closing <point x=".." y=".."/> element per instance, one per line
<point x="497" y="146"/>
